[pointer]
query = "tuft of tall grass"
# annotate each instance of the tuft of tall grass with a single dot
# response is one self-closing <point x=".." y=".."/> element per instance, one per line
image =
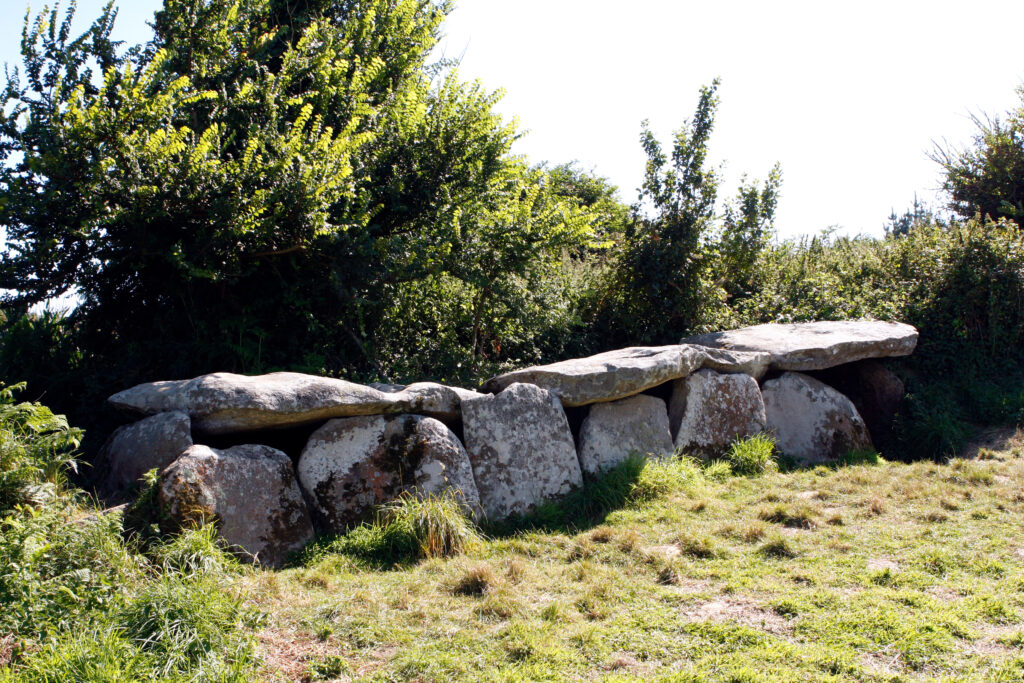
<point x="411" y="528"/>
<point x="753" y="455"/>
<point x="188" y="624"/>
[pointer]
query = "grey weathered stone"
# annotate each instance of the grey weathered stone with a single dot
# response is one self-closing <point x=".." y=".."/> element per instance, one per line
<point x="753" y="363"/>
<point x="249" y="492"/>
<point x="351" y="465"/>
<point x="223" y="402"/>
<point x="709" y="410"/>
<point x="613" y="431"/>
<point x="606" y="376"/>
<point x="521" y="449"/>
<point x="812" y="422"/>
<point x="134" y="449"/>
<point x="817" y="345"/>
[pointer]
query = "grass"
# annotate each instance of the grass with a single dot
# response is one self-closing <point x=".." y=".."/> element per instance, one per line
<point x="667" y="571"/>
<point x="876" y="571"/>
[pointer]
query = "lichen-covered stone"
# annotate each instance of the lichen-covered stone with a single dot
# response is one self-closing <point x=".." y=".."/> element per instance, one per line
<point x="812" y="422"/>
<point x="709" y="410"/>
<point x="248" y="491"/>
<point x="134" y="449"/>
<point x="521" y="449"/>
<point x="222" y="402"/>
<point x="817" y="345"/>
<point x="352" y="465"/>
<point x="614" y="431"/>
<point x="606" y="376"/>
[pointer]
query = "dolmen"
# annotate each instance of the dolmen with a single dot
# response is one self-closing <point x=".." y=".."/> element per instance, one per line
<point x="274" y="459"/>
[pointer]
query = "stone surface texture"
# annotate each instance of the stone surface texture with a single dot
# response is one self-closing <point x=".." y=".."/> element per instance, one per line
<point x="812" y="422"/>
<point x="613" y="431"/>
<point x="606" y="376"/>
<point x="521" y="449"/>
<point x="709" y="410"/>
<point x="222" y="403"/>
<point x="753" y="363"/>
<point x="134" y="449"/>
<point x="249" y="492"/>
<point x="353" y="464"/>
<point x="817" y="345"/>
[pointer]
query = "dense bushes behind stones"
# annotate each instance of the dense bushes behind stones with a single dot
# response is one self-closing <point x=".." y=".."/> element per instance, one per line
<point x="963" y="288"/>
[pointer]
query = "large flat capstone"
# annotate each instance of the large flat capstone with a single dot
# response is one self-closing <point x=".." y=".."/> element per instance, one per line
<point x="249" y="492"/>
<point x="812" y="422"/>
<point x="709" y="410"/>
<point x="224" y="402"/>
<point x="606" y="376"/>
<point x="353" y="464"/>
<point x="614" y="431"/>
<point x="521" y="449"/>
<point x="817" y="345"/>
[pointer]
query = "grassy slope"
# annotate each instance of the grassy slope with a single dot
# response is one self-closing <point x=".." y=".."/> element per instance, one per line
<point x="865" y="573"/>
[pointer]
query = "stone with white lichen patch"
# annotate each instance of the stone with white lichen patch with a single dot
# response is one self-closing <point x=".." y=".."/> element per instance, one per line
<point x="521" y="449"/>
<point x="812" y="422"/>
<point x="709" y="410"/>
<point x="248" y="491"/>
<point x="614" y="431"/>
<point x="352" y="465"/>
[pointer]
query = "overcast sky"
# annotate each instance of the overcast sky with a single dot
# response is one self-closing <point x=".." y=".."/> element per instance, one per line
<point x="848" y="97"/>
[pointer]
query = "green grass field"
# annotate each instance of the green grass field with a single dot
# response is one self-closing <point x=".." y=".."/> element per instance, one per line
<point x="868" y="572"/>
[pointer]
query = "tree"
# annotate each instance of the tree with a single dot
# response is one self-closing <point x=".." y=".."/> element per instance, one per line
<point x="987" y="177"/>
<point x="247" y="190"/>
<point x="664" y="285"/>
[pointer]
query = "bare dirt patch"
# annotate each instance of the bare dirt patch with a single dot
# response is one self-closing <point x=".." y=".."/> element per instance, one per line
<point x="740" y="610"/>
<point x="994" y="439"/>
<point x="287" y="653"/>
<point x="623" y="662"/>
<point x="878" y="564"/>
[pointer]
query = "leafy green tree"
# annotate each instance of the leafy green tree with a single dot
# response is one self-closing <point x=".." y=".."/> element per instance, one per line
<point x="987" y="177"/>
<point x="747" y="230"/>
<point x="251" y="188"/>
<point x="665" y="285"/>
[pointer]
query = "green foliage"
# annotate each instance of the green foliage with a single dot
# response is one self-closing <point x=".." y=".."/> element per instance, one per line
<point x="410" y="528"/>
<point x="187" y="625"/>
<point x="962" y="286"/>
<point x="753" y="455"/>
<point x="264" y="187"/>
<point x="665" y="283"/>
<point x="986" y="179"/>
<point x="36" y="451"/>
<point x="55" y="571"/>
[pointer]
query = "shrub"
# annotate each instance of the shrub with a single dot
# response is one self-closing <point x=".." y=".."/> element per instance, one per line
<point x="55" y="570"/>
<point x="36" y="450"/>
<point x="753" y="455"/>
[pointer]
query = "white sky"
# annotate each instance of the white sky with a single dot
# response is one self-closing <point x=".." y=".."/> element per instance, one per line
<point x="848" y="97"/>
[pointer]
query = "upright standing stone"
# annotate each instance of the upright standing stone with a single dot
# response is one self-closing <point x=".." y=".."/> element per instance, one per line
<point x="614" y="431"/>
<point x="812" y="422"/>
<point x="352" y="465"/>
<point x="249" y="492"/>
<point x="709" y="410"/>
<point x="521" y="449"/>
<point x="134" y="449"/>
